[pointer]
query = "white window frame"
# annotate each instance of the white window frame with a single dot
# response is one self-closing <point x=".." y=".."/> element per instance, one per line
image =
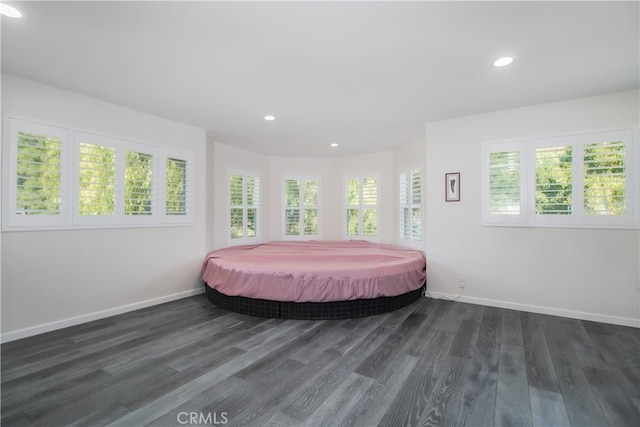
<point x="13" y="221"/>
<point x="69" y="217"/>
<point x="539" y="220"/>
<point x="409" y="171"/>
<point x="577" y="219"/>
<point x="301" y="208"/>
<point x="243" y="240"/>
<point x="631" y="219"/>
<point x="345" y="186"/>
<point x="490" y="218"/>
<point x="178" y="154"/>
<point x="81" y="220"/>
<point x="154" y="217"/>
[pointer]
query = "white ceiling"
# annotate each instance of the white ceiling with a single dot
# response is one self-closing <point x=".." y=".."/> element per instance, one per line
<point x="367" y="75"/>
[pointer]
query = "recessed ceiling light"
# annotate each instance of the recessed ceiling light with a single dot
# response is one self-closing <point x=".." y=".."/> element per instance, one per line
<point x="334" y="144"/>
<point x="501" y="62"/>
<point x="9" y="11"/>
<point x="269" y="118"/>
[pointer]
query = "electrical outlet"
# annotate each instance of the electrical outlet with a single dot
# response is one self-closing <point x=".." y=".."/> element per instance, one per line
<point x="461" y="283"/>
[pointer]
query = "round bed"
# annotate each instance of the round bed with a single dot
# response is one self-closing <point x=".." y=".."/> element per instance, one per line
<point x="314" y="280"/>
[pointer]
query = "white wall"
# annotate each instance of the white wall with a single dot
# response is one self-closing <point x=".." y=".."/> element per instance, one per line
<point x="584" y="273"/>
<point x="52" y="279"/>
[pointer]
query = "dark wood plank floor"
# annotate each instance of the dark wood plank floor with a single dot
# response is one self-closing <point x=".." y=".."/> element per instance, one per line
<point x="432" y="363"/>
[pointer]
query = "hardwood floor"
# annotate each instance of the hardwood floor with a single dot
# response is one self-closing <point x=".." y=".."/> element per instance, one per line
<point x="432" y="363"/>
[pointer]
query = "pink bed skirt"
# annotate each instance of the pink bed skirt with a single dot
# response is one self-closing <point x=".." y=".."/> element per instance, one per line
<point x="315" y="271"/>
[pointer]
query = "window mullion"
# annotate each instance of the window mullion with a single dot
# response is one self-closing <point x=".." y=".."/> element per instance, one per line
<point x="120" y="184"/>
<point x="301" y="207"/>
<point x="578" y="183"/>
<point x="361" y="209"/>
<point x="245" y="208"/>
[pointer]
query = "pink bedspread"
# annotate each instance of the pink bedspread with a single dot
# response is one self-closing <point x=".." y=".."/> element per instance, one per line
<point x="315" y="271"/>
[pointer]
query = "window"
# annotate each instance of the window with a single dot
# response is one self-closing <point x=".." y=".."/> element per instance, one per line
<point x="37" y="174"/>
<point x="178" y="182"/>
<point x="605" y="183"/>
<point x="361" y="206"/>
<point x="301" y="207"/>
<point x="97" y="180"/>
<point x="176" y="187"/>
<point x="244" y="207"/>
<point x="111" y="182"/>
<point x="410" y="214"/>
<point x="116" y="181"/>
<point x="586" y="180"/>
<point x="504" y="183"/>
<point x="138" y="183"/>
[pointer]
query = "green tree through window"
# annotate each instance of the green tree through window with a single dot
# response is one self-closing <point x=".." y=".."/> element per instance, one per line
<point x="554" y="189"/>
<point x="605" y="178"/>
<point x="138" y="176"/>
<point x="244" y="192"/>
<point x="362" y="206"/>
<point x="176" y="187"/>
<point x="97" y="176"/>
<point x="38" y="175"/>
<point x="301" y="207"/>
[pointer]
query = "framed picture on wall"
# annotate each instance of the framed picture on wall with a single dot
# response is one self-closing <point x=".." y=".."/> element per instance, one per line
<point x="452" y="187"/>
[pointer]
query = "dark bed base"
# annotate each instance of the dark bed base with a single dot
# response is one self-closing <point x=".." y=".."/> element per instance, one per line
<point x="311" y="310"/>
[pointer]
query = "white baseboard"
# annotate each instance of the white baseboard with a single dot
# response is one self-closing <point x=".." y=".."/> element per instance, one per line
<point x="84" y="318"/>
<point x="581" y="315"/>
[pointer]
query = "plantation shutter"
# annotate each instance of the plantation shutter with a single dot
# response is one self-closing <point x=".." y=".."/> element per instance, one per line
<point x="361" y="195"/>
<point x="410" y="192"/>
<point x="138" y="189"/>
<point x="176" y="187"/>
<point x="36" y="195"/>
<point x="581" y="181"/>
<point x="370" y="206"/>
<point x="605" y="178"/>
<point x="352" y="201"/>
<point x="252" y="206"/>
<point x="38" y="176"/>
<point x="504" y="183"/>
<point x="416" y="204"/>
<point x="292" y="207"/>
<point x="310" y="218"/>
<point x="300" y="207"/>
<point x="405" y="207"/>
<point x="236" y="194"/>
<point x="244" y="193"/>
<point x="97" y="180"/>
<point x="554" y="180"/>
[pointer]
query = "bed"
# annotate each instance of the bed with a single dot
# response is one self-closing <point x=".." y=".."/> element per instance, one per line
<point x="314" y="279"/>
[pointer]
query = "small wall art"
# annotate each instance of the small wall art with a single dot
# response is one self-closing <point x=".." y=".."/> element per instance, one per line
<point x="452" y="187"/>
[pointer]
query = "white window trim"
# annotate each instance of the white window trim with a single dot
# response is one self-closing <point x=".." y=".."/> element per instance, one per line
<point x="104" y="220"/>
<point x="537" y="220"/>
<point x="501" y="219"/>
<point x="69" y="218"/>
<point x="345" y="189"/>
<point x="187" y="156"/>
<point x="527" y="216"/>
<point x="301" y="179"/>
<point x="12" y="221"/>
<point x="154" y="218"/>
<point x="243" y="240"/>
<point x="411" y="242"/>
